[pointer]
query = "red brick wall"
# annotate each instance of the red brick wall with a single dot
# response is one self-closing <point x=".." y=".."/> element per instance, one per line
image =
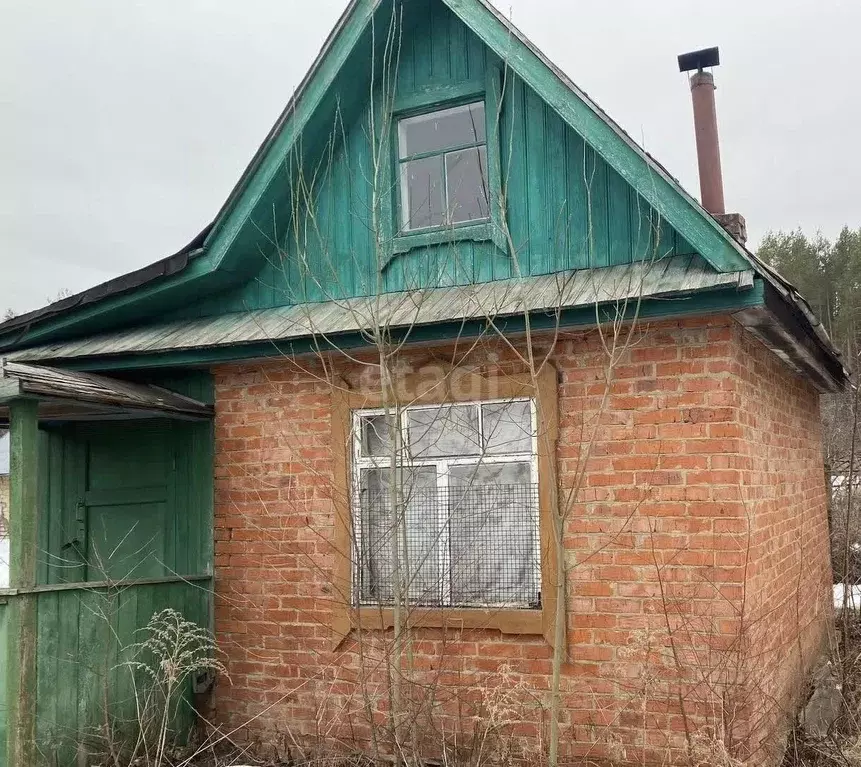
<point x="703" y="498"/>
<point x="789" y="580"/>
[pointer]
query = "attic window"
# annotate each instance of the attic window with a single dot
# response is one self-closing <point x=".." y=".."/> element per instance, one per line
<point x="442" y="158"/>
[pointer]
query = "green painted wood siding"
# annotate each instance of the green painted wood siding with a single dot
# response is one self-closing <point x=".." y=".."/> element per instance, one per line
<point x="4" y="634"/>
<point x="81" y="636"/>
<point x="108" y="482"/>
<point x="565" y="207"/>
<point x="112" y="471"/>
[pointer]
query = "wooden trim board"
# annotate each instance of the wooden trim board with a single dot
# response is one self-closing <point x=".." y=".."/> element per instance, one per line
<point x="457" y="386"/>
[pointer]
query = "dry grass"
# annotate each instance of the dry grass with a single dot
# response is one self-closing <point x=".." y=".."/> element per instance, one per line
<point x="842" y="745"/>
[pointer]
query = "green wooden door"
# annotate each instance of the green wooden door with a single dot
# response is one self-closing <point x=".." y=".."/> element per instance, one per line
<point x="126" y="536"/>
<point x="122" y="500"/>
<point x="125" y="507"/>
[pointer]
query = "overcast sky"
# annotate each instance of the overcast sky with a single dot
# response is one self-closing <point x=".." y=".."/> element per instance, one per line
<point x="124" y="124"/>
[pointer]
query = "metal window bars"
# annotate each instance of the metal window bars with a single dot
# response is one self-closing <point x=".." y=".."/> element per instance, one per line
<point x="445" y="505"/>
<point x="483" y="555"/>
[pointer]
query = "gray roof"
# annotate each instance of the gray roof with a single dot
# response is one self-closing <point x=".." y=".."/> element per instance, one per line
<point x="59" y="390"/>
<point x="666" y="278"/>
<point x="791" y="324"/>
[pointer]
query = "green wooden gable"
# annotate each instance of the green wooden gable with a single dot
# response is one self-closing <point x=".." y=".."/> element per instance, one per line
<point x="565" y="206"/>
<point x="577" y="191"/>
<point x="317" y="216"/>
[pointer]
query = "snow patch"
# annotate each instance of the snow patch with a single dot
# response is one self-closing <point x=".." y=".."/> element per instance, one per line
<point x="4" y="563"/>
<point x="854" y="596"/>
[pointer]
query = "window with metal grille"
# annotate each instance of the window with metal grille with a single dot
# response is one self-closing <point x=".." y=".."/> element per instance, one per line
<point x="442" y="158"/>
<point x="446" y="497"/>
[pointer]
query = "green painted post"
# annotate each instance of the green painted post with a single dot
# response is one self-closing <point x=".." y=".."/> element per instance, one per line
<point x="23" y="524"/>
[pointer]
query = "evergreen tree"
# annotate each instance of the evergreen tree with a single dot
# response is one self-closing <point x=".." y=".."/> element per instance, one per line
<point x="827" y="274"/>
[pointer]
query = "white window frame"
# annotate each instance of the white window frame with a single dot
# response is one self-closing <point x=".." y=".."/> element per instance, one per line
<point x="442" y="465"/>
<point x="404" y="159"/>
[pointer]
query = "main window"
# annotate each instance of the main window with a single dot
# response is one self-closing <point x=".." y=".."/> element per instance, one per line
<point x="446" y="496"/>
<point x="442" y="158"/>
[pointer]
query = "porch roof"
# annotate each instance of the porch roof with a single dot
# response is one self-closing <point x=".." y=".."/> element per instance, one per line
<point x="72" y="395"/>
<point x="666" y="278"/>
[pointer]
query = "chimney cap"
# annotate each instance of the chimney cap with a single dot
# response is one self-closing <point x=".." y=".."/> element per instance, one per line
<point x="707" y="57"/>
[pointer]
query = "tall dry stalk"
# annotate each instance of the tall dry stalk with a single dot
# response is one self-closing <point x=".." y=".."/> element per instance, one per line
<point x="160" y="668"/>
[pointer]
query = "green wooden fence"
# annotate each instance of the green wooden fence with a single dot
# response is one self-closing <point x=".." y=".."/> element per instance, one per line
<point x="3" y="656"/>
<point x="83" y="689"/>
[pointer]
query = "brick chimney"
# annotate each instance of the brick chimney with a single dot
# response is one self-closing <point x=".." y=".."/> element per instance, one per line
<point x="708" y="143"/>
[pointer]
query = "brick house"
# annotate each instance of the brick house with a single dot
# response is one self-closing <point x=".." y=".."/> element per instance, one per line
<point x="459" y="383"/>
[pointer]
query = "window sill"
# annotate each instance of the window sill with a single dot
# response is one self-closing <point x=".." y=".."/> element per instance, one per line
<point x="507" y="621"/>
<point x="482" y="232"/>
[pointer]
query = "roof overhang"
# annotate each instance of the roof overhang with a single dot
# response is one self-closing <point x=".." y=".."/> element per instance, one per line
<point x="212" y="260"/>
<point x="782" y="327"/>
<point x="67" y="395"/>
<point x="576" y="299"/>
<point x="665" y="280"/>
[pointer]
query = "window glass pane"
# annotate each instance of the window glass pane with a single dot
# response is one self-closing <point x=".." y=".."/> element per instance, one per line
<point x="450" y="430"/>
<point x="422" y="203"/>
<point x="466" y="185"/>
<point x="507" y="427"/>
<point x="447" y="128"/>
<point x="493" y="513"/>
<point x="416" y="519"/>
<point x="377" y="435"/>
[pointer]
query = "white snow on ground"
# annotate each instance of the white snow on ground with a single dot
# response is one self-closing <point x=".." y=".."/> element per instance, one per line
<point x="854" y="597"/>
<point x="4" y="563"/>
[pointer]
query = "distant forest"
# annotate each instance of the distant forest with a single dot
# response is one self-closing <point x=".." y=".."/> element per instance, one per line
<point x="828" y="275"/>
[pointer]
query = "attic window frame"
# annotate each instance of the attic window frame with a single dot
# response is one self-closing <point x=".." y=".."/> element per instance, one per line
<point x="433" y="99"/>
<point x="405" y="158"/>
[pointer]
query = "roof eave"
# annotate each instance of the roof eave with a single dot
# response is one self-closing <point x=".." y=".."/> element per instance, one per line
<point x="70" y="394"/>
<point x="781" y="326"/>
<point x="14" y="330"/>
<point x="634" y="164"/>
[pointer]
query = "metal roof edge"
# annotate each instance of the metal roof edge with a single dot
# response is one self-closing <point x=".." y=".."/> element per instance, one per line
<point x="179" y="262"/>
<point x="666" y="278"/>
<point x="125" y="283"/>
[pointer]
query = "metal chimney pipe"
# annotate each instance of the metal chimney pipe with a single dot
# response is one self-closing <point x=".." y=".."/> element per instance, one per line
<point x="708" y="145"/>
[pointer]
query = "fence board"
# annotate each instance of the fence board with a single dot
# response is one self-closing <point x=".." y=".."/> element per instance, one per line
<point x="3" y="650"/>
<point x="82" y="633"/>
